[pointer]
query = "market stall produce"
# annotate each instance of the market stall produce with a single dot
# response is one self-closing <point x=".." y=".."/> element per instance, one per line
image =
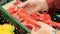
<point x="40" y="21"/>
<point x="7" y="29"/>
<point x="9" y="25"/>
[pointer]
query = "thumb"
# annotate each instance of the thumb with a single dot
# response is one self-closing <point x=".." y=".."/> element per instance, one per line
<point x="34" y="31"/>
<point x="23" y="4"/>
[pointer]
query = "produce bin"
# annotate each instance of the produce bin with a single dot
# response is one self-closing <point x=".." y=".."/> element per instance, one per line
<point x="5" y="15"/>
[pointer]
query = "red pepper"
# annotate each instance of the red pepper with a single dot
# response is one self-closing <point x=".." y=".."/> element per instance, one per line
<point x="47" y="19"/>
<point x="35" y="16"/>
<point x="16" y="3"/>
<point x="29" y="27"/>
<point x="47" y="16"/>
<point x="55" y="24"/>
<point x="11" y="9"/>
<point x="38" y="16"/>
<point x="50" y="22"/>
<point x="42" y="17"/>
<point x="22" y="13"/>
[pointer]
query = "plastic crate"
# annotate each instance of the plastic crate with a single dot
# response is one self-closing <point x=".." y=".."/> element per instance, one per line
<point x="12" y="20"/>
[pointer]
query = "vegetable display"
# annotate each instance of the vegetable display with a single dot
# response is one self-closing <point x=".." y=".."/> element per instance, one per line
<point x="28" y="20"/>
<point x="6" y="29"/>
<point x="21" y="15"/>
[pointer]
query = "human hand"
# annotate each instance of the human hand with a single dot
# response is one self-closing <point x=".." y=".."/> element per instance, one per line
<point x="45" y="29"/>
<point x="32" y="6"/>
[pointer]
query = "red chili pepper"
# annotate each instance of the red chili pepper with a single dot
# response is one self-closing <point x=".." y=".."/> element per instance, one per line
<point x="29" y="27"/>
<point x="14" y="15"/>
<point x="51" y="23"/>
<point x="55" y="24"/>
<point x="16" y="3"/>
<point x="47" y="19"/>
<point x="11" y="9"/>
<point x="47" y="16"/>
<point x="42" y="17"/>
<point x="22" y="13"/>
<point x="35" y="16"/>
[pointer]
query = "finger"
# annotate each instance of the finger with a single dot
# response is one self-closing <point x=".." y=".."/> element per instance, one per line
<point x="33" y="29"/>
<point x="37" y="9"/>
<point x="23" y="4"/>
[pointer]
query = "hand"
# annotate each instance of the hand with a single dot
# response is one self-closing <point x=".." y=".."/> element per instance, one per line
<point x="45" y="29"/>
<point x="58" y="32"/>
<point x="32" y="6"/>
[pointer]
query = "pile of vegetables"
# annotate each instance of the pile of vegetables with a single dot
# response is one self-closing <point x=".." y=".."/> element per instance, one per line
<point x="7" y="29"/>
<point x="30" y="21"/>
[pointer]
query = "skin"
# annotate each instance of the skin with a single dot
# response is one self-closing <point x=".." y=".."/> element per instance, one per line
<point x="32" y="6"/>
<point x="58" y="32"/>
<point x="45" y="29"/>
